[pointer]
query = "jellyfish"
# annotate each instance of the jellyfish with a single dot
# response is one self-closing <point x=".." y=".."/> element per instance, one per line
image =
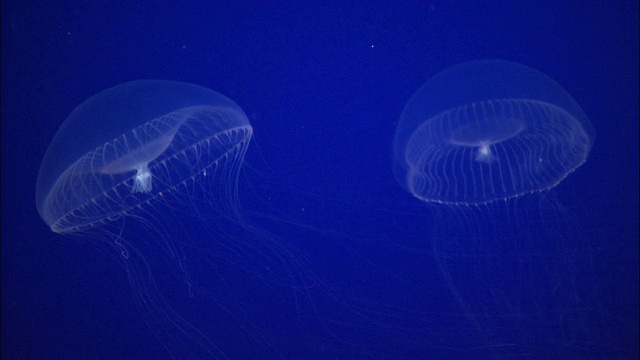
<point x="486" y="131"/>
<point x="485" y="146"/>
<point x="150" y="169"/>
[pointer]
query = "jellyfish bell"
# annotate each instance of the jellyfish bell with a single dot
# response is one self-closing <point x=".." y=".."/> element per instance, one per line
<point x="489" y="112"/>
<point x="146" y="137"/>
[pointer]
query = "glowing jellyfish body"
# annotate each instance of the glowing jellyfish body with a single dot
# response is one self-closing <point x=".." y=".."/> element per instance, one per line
<point x="471" y="143"/>
<point x="142" y="151"/>
<point x="123" y="147"/>
<point x="489" y="130"/>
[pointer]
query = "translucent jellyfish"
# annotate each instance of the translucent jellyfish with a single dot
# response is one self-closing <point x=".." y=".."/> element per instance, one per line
<point x="129" y="145"/>
<point x="484" y="144"/>
<point x="489" y="130"/>
<point x="150" y="168"/>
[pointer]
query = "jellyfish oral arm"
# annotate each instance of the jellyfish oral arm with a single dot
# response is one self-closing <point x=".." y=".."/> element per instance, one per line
<point x="142" y="180"/>
<point x="484" y="154"/>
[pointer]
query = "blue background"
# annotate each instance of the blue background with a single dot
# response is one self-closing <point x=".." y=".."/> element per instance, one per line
<point x="323" y="85"/>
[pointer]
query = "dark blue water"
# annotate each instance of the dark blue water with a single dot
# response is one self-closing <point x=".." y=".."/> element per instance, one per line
<point x="332" y="259"/>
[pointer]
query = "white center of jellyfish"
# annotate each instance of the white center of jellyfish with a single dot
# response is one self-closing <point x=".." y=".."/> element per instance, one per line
<point x="142" y="181"/>
<point x="484" y="153"/>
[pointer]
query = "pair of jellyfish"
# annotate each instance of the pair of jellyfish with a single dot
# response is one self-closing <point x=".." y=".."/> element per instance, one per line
<point x="477" y="133"/>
